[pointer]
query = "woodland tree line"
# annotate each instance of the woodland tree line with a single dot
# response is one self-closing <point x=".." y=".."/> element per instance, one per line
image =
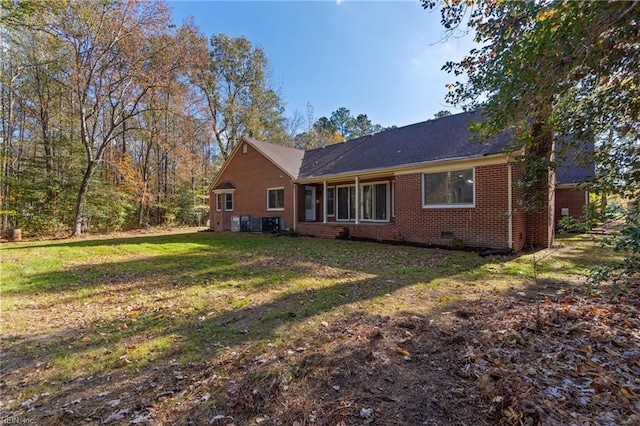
<point x="115" y="118"/>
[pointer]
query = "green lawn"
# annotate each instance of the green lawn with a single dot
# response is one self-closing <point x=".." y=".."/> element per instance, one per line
<point x="166" y="327"/>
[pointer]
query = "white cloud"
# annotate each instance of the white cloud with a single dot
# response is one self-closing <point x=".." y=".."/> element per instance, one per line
<point x="339" y="2"/>
<point x="435" y="56"/>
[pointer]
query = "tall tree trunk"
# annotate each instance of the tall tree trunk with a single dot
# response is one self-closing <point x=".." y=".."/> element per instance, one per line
<point x="80" y="202"/>
<point x="141" y="209"/>
<point x="145" y="179"/>
<point x="47" y="142"/>
<point x="158" y="186"/>
<point x="6" y="157"/>
<point x="124" y="148"/>
<point x="541" y="175"/>
<point x="91" y="166"/>
<point x="7" y="131"/>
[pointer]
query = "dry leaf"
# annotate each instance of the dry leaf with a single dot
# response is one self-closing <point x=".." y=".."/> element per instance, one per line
<point x="611" y="352"/>
<point x="628" y="393"/>
<point x="402" y="351"/>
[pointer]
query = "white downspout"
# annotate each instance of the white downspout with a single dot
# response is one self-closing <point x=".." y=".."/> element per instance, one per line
<point x="295" y="207"/>
<point x="324" y="204"/>
<point x="357" y="200"/>
<point x="586" y="196"/>
<point x="510" y="203"/>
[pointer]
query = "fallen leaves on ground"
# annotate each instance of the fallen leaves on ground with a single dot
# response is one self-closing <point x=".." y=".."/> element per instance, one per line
<point x="570" y="359"/>
<point x="518" y="359"/>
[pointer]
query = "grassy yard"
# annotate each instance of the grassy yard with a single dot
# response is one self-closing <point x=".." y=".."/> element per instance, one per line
<point x="207" y="328"/>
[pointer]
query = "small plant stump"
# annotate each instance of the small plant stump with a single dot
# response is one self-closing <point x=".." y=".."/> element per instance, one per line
<point x="15" y="234"/>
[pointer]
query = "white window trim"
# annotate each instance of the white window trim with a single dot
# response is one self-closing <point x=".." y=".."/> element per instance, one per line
<point x="218" y="201"/>
<point x="337" y="207"/>
<point x="233" y="202"/>
<point x="275" y="209"/>
<point x="450" y="206"/>
<point x="334" y="201"/>
<point x="362" y="185"/>
<point x="223" y="192"/>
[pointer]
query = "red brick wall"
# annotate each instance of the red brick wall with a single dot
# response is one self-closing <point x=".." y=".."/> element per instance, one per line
<point x="373" y="231"/>
<point x="252" y="173"/>
<point x="484" y="225"/>
<point x="519" y="216"/>
<point x="571" y="198"/>
<point x="540" y="222"/>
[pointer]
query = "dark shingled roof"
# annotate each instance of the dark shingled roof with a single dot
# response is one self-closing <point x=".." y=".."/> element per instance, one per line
<point x="440" y="139"/>
<point x="434" y="140"/>
<point x="575" y="164"/>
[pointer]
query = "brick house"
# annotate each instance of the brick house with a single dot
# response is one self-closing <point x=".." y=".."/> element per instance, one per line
<point x="572" y="186"/>
<point x="426" y="183"/>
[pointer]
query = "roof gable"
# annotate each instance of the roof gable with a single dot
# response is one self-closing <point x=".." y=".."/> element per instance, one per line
<point x="287" y="158"/>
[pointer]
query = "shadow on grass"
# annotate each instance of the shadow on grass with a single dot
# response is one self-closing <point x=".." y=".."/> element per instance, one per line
<point x="196" y="347"/>
<point x="197" y="327"/>
<point x="100" y="241"/>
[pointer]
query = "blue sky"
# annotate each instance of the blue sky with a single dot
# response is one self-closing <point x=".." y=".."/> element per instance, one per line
<point x="380" y="58"/>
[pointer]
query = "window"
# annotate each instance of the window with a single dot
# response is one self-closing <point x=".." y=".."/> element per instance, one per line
<point x="346" y="203"/>
<point x="275" y="199"/>
<point x="228" y="202"/>
<point x="218" y="202"/>
<point x="331" y="201"/>
<point x="375" y="205"/>
<point x="455" y="188"/>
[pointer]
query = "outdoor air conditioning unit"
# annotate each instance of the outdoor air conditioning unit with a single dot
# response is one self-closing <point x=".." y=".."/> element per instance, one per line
<point x="256" y="224"/>
<point x="271" y="224"/>
<point x="245" y="223"/>
<point x="235" y="223"/>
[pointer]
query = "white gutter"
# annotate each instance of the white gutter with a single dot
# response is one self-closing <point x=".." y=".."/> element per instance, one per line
<point x="295" y="206"/>
<point x="357" y="200"/>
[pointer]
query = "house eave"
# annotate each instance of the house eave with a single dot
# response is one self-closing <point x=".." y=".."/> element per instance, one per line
<point x="578" y="185"/>
<point x="432" y="165"/>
